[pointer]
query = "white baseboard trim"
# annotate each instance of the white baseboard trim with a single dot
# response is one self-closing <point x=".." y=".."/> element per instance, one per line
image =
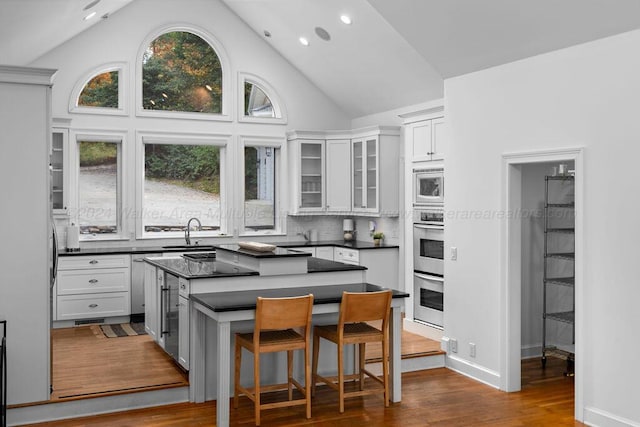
<point x="531" y="351"/>
<point x="599" y="418"/>
<point x="411" y="364"/>
<point x="473" y="371"/>
<point x="99" y="405"/>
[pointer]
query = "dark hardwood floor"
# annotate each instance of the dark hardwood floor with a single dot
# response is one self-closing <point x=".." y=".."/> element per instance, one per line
<point x="437" y="397"/>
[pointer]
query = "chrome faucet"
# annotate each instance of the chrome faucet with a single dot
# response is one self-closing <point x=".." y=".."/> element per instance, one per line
<point x="187" y="232"/>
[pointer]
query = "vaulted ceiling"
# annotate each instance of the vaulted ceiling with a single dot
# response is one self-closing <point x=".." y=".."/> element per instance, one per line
<point x="394" y="54"/>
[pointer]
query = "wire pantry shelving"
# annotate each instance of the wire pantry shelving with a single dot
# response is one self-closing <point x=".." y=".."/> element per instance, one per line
<point x="558" y="305"/>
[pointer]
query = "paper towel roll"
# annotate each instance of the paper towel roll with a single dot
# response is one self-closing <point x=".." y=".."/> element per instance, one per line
<point x="73" y="238"/>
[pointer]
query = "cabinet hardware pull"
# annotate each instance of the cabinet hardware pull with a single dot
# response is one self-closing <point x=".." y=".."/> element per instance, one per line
<point x="93" y="305"/>
<point x="93" y="281"/>
<point x="93" y="261"/>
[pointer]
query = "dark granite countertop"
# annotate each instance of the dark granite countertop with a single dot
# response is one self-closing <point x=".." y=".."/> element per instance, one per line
<point x="190" y="269"/>
<point x="200" y="269"/>
<point x="246" y="300"/>
<point x="353" y="244"/>
<point x="318" y="265"/>
<point x="278" y="252"/>
<point x="131" y="250"/>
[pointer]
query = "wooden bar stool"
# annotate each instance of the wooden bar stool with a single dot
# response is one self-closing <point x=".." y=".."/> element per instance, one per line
<point x="273" y="332"/>
<point x="355" y="309"/>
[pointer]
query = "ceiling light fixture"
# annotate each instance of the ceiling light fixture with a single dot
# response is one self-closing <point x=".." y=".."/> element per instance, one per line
<point x="304" y="41"/>
<point x="345" y="19"/>
<point x="267" y="33"/>
<point x="89" y="16"/>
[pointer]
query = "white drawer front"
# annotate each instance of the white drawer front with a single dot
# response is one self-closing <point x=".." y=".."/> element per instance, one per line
<point x="93" y="305"/>
<point x="87" y="261"/>
<point x="93" y="281"/>
<point x="347" y="255"/>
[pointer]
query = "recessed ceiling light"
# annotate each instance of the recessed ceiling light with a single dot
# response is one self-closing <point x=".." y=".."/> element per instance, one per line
<point x="90" y="5"/>
<point x="304" y="41"/>
<point x="323" y="34"/>
<point x="345" y="19"/>
<point x="89" y="16"/>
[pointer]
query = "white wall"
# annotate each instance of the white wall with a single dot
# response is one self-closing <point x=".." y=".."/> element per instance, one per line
<point x="119" y="39"/>
<point x="24" y="254"/>
<point x="585" y="96"/>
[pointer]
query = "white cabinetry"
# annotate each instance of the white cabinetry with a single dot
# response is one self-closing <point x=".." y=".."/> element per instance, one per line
<point x="151" y="301"/>
<point x="338" y="175"/>
<point x="424" y="135"/>
<point x="350" y="172"/>
<point x="375" y="166"/>
<point x="59" y="166"/>
<point x="93" y="287"/>
<point x="381" y="263"/>
<point x="307" y="162"/>
<point x="325" y="252"/>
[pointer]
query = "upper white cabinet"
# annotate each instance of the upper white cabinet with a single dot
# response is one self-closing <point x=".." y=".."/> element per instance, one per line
<point x="375" y="169"/>
<point x="347" y="172"/>
<point x="338" y="175"/>
<point x="424" y="134"/>
<point x="307" y="166"/>
<point x="59" y="165"/>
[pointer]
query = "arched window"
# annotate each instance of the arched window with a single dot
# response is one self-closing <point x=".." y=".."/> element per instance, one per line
<point x="259" y="101"/>
<point x="181" y="72"/>
<point x="101" y="91"/>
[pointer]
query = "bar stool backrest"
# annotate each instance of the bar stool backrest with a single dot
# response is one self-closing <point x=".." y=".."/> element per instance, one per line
<point x="365" y="307"/>
<point x="284" y="313"/>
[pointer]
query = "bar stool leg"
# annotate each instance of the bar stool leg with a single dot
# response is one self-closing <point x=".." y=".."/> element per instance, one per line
<point x="316" y="352"/>
<point x="290" y="373"/>
<point x="341" y="377"/>
<point x="361" y="351"/>
<point x="236" y="377"/>
<point x="256" y="382"/>
<point x="307" y="380"/>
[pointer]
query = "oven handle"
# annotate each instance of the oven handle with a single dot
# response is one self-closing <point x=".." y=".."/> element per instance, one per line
<point x="428" y="277"/>
<point x="428" y="227"/>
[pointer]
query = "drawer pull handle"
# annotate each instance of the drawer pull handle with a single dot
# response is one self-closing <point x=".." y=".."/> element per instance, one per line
<point x="93" y="261"/>
<point x="93" y="281"/>
<point x="93" y="305"/>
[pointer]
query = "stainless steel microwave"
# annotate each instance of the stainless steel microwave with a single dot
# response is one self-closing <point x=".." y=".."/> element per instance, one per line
<point x="428" y="186"/>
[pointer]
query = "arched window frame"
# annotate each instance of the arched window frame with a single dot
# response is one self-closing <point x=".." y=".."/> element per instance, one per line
<point x="278" y="106"/>
<point x="224" y="64"/>
<point x="123" y="91"/>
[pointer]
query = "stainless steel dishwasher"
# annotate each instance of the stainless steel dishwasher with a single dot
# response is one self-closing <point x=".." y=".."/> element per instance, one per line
<point x="137" y="287"/>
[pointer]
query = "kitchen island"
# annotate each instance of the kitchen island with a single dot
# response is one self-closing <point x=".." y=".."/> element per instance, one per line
<point x="217" y="298"/>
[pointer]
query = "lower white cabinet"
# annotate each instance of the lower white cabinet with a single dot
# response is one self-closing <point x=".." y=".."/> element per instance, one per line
<point x="93" y="287"/>
<point x="325" y="252"/>
<point x="381" y="263"/>
<point x="183" y="337"/>
<point x="151" y="319"/>
<point x="89" y="306"/>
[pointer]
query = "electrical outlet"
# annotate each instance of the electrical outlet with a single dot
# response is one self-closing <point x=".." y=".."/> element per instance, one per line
<point x="472" y="349"/>
<point x="454" y="253"/>
<point x="453" y="344"/>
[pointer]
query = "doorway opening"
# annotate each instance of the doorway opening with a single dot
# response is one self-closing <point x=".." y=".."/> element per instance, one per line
<point x="542" y="269"/>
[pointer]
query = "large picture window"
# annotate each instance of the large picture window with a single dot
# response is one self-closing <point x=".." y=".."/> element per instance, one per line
<point x="181" y="181"/>
<point x="181" y="72"/>
<point x="98" y="187"/>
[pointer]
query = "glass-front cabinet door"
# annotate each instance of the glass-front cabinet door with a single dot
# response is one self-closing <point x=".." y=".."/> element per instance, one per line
<point x="311" y="179"/>
<point x="365" y="174"/>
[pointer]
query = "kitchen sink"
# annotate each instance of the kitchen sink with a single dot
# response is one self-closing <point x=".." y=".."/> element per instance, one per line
<point x="191" y="247"/>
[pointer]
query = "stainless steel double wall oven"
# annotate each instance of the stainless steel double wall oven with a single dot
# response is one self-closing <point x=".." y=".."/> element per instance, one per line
<point x="428" y="264"/>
